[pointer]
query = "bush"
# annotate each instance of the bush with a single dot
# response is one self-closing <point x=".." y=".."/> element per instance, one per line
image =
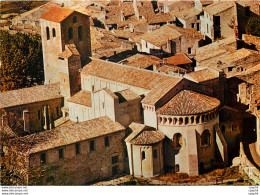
<point x="253" y="26"/>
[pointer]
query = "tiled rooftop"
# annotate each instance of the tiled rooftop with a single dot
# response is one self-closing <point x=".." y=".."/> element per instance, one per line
<point x="29" y="95"/>
<point x="218" y="7"/>
<point x="170" y="69"/>
<point x="83" y="98"/>
<point x="126" y="95"/>
<point x="189" y="102"/>
<point x="178" y="59"/>
<point x="159" y="83"/>
<point x="144" y="135"/>
<point x="67" y="134"/>
<point x="186" y="13"/>
<point x="161" y="36"/>
<point x="202" y="75"/>
<point x="57" y="14"/>
<point x="160" y="18"/>
<point x="142" y="61"/>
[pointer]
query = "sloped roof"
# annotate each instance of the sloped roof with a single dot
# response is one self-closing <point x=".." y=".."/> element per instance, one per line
<point x="189" y="102"/>
<point x="169" y="69"/>
<point x="216" y="8"/>
<point x="178" y="59"/>
<point x="188" y="32"/>
<point x="67" y="134"/>
<point x="143" y="61"/>
<point x="83" y="98"/>
<point x="126" y="95"/>
<point x="57" y="14"/>
<point x="161" y="35"/>
<point x="70" y="50"/>
<point x="29" y="95"/>
<point x="160" y="18"/>
<point x="186" y="13"/>
<point x="159" y="84"/>
<point x="202" y="75"/>
<point x="144" y="135"/>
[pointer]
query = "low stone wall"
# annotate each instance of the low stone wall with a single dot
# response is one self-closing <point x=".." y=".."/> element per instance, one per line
<point x="246" y="166"/>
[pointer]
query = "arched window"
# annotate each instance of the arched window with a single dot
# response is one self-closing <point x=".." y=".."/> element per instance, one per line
<point x="143" y="155"/>
<point x="53" y="32"/>
<point x="80" y="33"/>
<point x="197" y="119"/>
<point x="48" y="33"/>
<point x="74" y="19"/>
<point x="205" y="138"/>
<point x="180" y="121"/>
<point x="177" y="141"/>
<point x="192" y="120"/>
<point x="186" y="120"/>
<point x="70" y="33"/>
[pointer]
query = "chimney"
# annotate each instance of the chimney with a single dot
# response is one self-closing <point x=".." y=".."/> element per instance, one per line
<point x="26" y="120"/>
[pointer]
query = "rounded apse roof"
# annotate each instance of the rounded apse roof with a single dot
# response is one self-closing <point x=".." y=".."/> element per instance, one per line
<point x="189" y="102"/>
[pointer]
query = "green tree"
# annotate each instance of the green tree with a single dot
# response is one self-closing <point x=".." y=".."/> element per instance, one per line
<point x="21" y="61"/>
<point x="253" y="26"/>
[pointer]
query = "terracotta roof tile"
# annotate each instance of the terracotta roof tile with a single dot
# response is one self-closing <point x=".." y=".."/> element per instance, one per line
<point x="216" y="8"/>
<point x="178" y="59"/>
<point x="170" y="69"/>
<point x="83" y="98"/>
<point x="189" y="102"/>
<point x="57" y="14"/>
<point x="186" y="13"/>
<point x="142" y="61"/>
<point x="69" y="51"/>
<point x="29" y="95"/>
<point x="159" y="84"/>
<point x="126" y="95"/>
<point x="160" y="18"/>
<point x="144" y="135"/>
<point x="67" y="134"/>
<point x="202" y="75"/>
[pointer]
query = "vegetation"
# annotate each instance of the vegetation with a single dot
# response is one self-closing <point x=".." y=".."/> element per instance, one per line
<point x="21" y="61"/>
<point x="253" y="26"/>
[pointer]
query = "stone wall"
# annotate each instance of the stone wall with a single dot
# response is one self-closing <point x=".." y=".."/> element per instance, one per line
<point x="76" y="169"/>
<point x="252" y="40"/>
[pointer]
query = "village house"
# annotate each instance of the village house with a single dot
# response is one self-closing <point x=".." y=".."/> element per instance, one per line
<point x="169" y="40"/>
<point x="219" y="20"/>
<point x="181" y="60"/>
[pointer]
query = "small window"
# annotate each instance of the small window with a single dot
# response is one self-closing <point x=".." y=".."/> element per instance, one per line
<point x="177" y="168"/>
<point x="189" y="50"/>
<point x="114" y="170"/>
<point x="74" y="19"/>
<point x="58" y="111"/>
<point x="107" y="141"/>
<point x="43" y="158"/>
<point x="80" y="33"/>
<point x="155" y="153"/>
<point x="115" y="159"/>
<point x="48" y="33"/>
<point x="205" y="138"/>
<point x="207" y="28"/>
<point x="230" y="69"/>
<point x="77" y="145"/>
<point x="143" y="155"/>
<point x="61" y="153"/>
<point x="39" y="114"/>
<point x="258" y="107"/>
<point x="177" y="141"/>
<point x="92" y="145"/>
<point x="103" y="105"/>
<point x="93" y="88"/>
<point x="70" y="32"/>
<point x="192" y="25"/>
<point x="53" y="32"/>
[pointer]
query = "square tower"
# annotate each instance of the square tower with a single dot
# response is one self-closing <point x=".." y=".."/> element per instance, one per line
<point x="60" y="27"/>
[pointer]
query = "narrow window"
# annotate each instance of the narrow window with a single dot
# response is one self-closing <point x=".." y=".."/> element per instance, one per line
<point x="192" y="25"/>
<point x="143" y="155"/>
<point x="155" y="153"/>
<point x="103" y="105"/>
<point x="92" y="145"/>
<point x="207" y="28"/>
<point x="61" y="153"/>
<point x="43" y="158"/>
<point x="48" y="33"/>
<point x="57" y="111"/>
<point x="74" y="19"/>
<point x="93" y="88"/>
<point x="70" y="33"/>
<point x="115" y="159"/>
<point x="53" y="32"/>
<point x="107" y="141"/>
<point x="177" y="168"/>
<point x="189" y="50"/>
<point x="39" y="114"/>
<point x="80" y="33"/>
<point x="77" y="148"/>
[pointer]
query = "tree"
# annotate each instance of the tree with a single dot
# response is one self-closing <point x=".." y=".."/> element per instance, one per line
<point x="21" y="61"/>
<point x="253" y="26"/>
